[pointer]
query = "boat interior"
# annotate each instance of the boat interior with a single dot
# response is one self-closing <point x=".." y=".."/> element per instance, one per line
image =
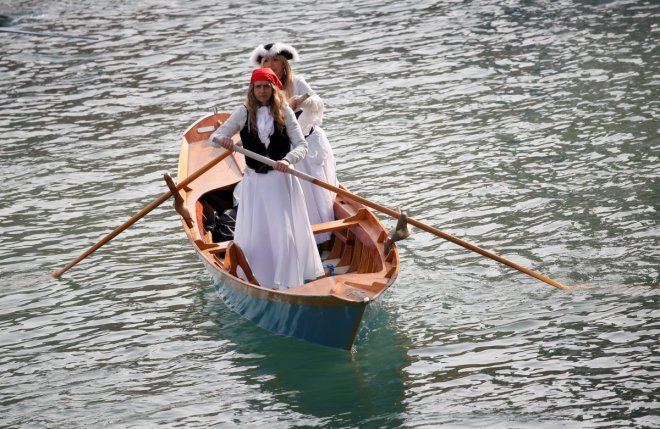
<point x="355" y="247"/>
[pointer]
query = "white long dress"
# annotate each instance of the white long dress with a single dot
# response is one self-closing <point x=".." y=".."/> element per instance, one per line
<point x="272" y="226"/>
<point x="319" y="162"/>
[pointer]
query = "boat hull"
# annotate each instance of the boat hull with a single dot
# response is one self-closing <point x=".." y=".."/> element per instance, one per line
<point x="328" y="323"/>
<point x="326" y="311"/>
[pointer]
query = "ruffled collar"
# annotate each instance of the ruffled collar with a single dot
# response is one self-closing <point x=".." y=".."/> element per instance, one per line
<point x="265" y="125"/>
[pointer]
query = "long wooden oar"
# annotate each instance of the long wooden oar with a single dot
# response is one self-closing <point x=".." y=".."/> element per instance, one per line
<point x="158" y="201"/>
<point x="396" y="214"/>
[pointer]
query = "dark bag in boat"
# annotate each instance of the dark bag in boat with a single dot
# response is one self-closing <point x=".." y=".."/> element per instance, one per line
<point x="221" y="225"/>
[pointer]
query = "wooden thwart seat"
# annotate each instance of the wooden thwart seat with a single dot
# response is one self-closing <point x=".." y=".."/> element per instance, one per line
<point x="212" y="247"/>
<point x="340" y="224"/>
<point x="335" y="225"/>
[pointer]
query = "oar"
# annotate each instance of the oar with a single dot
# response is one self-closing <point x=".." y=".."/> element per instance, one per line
<point x="396" y="214"/>
<point x="158" y="201"/>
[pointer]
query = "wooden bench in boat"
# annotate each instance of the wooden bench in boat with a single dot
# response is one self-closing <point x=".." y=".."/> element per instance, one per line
<point x="345" y="254"/>
<point x="212" y="247"/>
<point x="339" y="225"/>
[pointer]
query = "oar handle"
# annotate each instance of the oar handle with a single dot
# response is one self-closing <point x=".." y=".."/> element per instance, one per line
<point x="395" y="214"/>
<point x="158" y="201"/>
<point x="269" y="162"/>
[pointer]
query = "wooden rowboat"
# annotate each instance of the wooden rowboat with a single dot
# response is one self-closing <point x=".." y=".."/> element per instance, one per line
<point x="327" y="310"/>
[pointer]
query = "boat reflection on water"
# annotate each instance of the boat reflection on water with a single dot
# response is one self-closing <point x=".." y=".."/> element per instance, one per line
<point x="363" y="386"/>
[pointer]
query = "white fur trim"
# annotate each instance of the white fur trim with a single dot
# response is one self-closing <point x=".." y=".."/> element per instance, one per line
<point x="260" y="52"/>
<point x="312" y="113"/>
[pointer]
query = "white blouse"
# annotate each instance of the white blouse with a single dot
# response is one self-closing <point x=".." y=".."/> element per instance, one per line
<point x="237" y="120"/>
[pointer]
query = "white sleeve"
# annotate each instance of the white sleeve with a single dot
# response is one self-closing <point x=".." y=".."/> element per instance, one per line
<point x="300" y="86"/>
<point x="232" y="125"/>
<point x="298" y="142"/>
<point x="314" y="104"/>
<point x="312" y="108"/>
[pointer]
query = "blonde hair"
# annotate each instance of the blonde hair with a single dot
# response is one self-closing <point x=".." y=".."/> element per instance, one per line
<point x="276" y="105"/>
<point x="287" y="79"/>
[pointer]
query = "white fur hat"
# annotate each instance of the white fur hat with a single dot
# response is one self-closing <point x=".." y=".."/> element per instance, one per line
<point x="272" y="49"/>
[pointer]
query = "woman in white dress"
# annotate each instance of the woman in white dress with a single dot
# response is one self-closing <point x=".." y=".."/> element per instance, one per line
<point x="272" y="225"/>
<point x="320" y="161"/>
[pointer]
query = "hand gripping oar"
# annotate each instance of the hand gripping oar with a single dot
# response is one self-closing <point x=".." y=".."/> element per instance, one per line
<point x="396" y="214"/>
<point x="158" y="201"/>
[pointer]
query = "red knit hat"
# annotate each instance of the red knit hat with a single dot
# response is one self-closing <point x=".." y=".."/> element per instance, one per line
<point x="266" y="74"/>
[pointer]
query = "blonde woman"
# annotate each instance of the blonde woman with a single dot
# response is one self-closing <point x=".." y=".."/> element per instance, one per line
<point x="272" y="225"/>
<point x="320" y="161"/>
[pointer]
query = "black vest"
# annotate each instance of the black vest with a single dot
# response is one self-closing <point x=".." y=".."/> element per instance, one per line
<point x="279" y="146"/>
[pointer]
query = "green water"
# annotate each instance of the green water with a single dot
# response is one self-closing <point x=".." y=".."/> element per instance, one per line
<point x="526" y="127"/>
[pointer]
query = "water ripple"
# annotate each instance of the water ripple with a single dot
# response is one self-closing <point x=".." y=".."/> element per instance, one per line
<point x="529" y="129"/>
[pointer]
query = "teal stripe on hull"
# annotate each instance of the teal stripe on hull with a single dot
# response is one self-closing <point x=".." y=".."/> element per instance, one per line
<point x="328" y="326"/>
